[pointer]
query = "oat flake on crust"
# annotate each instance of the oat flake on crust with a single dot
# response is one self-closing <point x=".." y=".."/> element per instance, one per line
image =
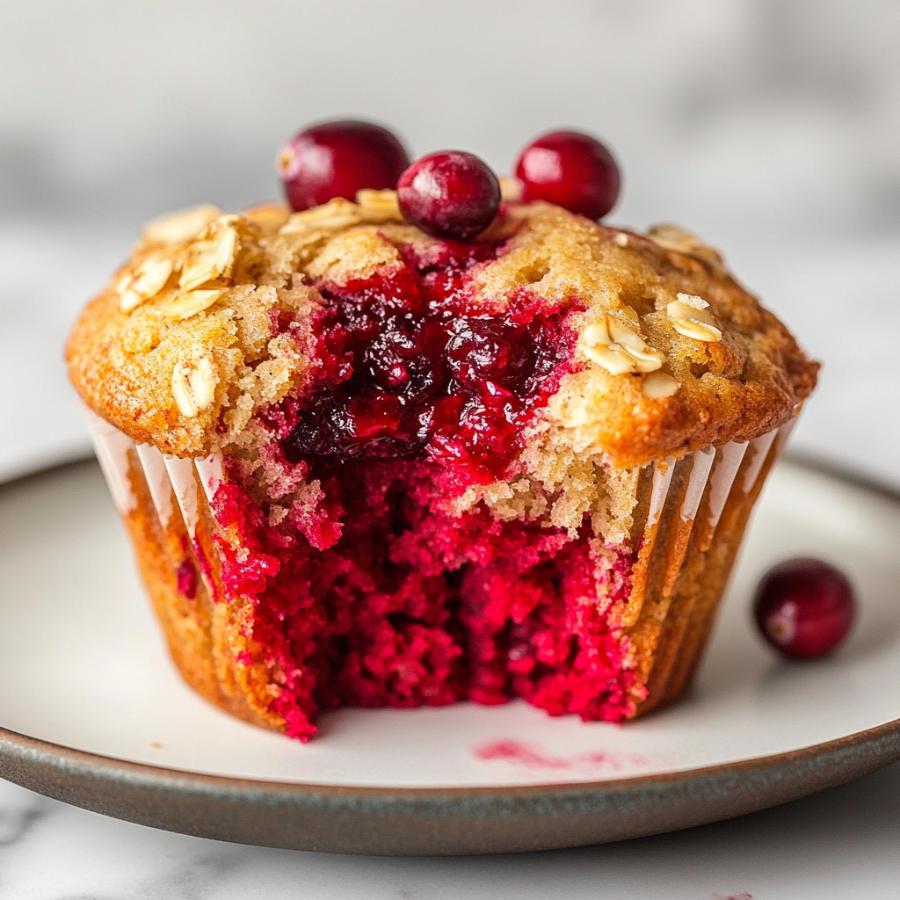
<point x="659" y="373"/>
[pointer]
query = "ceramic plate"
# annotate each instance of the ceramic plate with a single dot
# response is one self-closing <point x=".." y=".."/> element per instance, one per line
<point x="93" y="713"/>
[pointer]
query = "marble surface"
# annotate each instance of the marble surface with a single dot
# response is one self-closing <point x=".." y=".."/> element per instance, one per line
<point x="768" y="126"/>
<point x="833" y="846"/>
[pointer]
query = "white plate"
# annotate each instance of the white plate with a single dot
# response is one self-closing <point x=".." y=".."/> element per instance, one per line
<point x="83" y="665"/>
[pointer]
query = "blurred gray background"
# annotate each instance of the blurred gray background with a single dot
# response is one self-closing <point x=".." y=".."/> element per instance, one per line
<point x="770" y="128"/>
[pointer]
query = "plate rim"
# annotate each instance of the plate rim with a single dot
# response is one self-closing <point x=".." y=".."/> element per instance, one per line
<point x="448" y="821"/>
<point x="34" y="751"/>
<point x="80" y="777"/>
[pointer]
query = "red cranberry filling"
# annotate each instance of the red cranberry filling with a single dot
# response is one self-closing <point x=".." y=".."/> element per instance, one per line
<point x="368" y="590"/>
<point x="186" y="578"/>
<point x="406" y="369"/>
<point x="408" y="605"/>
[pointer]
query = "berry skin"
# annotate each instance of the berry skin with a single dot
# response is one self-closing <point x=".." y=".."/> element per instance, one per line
<point x="572" y="170"/>
<point x="450" y="194"/>
<point x="804" y="607"/>
<point x="480" y="351"/>
<point x="337" y="159"/>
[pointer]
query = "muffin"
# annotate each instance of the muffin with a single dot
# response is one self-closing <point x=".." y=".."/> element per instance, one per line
<point x="364" y="466"/>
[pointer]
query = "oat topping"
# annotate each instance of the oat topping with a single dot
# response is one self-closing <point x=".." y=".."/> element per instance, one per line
<point x="646" y="313"/>
<point x="180" y="226"/>
<point x="335" y="214"/>
<point x="691" y="316"/>
<point x="194" y="385"/>
<point x="267" y="215"/>
<point x="211" y="259"/>
<point x="618" y="348"/>
<point x="376" y="207"/>
<point x="672" y="237"/>
<point x="658" y="385"/>
<point x="146" y="280"/>
<point x="510" y="190"/>
<point x="186" y="305"/>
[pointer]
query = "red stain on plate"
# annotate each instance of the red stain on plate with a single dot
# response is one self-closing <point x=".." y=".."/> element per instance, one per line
<point x="533" y="757"/>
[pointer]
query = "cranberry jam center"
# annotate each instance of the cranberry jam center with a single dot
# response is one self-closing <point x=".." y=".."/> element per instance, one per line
<point x="408" y="368"/>
<point x="368" y="590"/>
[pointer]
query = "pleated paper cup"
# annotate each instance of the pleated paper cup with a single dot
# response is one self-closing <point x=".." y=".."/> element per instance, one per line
<point x="690" y="517"/>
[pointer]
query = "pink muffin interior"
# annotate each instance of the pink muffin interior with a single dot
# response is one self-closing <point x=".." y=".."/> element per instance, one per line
<point x="375" y="590"/>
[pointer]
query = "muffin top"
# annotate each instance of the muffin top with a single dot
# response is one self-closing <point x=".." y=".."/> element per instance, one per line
<point x="217" y="319"/>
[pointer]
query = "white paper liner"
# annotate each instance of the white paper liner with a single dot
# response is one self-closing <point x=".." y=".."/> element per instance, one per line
<point x="759" y="450"/>
<point x="181" y="475"/>
<point x="157" y="477"/>
<point x="112" y="448"/>
<point x="715" y="473"/>
<point x="702" y="464"/>
<point x="730" y="457"/>
<point x="662" y="478"/>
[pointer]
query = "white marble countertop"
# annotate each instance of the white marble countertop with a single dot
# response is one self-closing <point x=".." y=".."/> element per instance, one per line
<point x="769" y="126"/>
<point x="833" y="846"/>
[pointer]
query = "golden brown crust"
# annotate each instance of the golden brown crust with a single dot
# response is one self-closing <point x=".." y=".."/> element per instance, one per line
<point x="733" y="389"/>
<point x="125" y="362"/>
<point x="169" y="371"/>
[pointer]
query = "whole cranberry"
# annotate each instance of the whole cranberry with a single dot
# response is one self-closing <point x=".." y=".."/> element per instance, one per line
<point x="572" y="170"/>
<point x="480" y="351"/>
<point x="450" y="194"/>
<point x="337" y="159"/>
<point x="804" y="607"/>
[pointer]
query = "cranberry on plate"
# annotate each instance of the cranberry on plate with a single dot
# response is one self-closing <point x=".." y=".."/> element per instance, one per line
<point x="572" y="170"/>
<point x="451" y="194"/>
<point x="337" y="159"/>
<point x="804" y="607"/>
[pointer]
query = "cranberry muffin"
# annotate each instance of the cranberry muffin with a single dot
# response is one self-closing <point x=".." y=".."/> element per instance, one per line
<point x="361" y="465"/>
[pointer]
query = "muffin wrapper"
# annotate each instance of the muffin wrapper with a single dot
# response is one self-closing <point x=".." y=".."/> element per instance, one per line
<point x="692" y="504"/>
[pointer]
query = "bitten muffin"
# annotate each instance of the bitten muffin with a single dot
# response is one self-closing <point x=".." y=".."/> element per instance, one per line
<point x="364" y="466"/>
